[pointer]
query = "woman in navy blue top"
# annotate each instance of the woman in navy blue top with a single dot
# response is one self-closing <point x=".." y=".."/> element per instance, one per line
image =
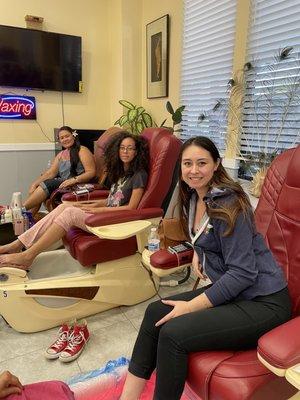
<point x="247" y="295"/>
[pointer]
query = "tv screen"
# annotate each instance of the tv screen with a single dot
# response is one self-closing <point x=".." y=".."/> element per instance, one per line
<point x="39" y="60"/>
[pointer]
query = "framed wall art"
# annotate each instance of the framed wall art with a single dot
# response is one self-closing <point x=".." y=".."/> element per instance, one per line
<point x="157" y="37"/>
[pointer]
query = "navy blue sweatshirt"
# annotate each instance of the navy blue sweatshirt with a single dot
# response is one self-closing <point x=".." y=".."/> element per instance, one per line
<point x="240" y="266"/>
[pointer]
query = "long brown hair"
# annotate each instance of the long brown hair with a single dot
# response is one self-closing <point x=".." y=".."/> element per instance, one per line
<point x="227" y="212"/>
<point x="115" y="167"/>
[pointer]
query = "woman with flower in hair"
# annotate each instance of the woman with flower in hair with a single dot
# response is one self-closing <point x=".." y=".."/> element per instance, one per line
<point x="75" y="164"/>
<point x="247" y="296"/>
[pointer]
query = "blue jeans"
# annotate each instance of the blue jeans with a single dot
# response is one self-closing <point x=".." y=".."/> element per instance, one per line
<point x="232" y="326"/>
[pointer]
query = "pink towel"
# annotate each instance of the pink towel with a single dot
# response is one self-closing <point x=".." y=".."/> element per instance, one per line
<point x="44" y="391"/>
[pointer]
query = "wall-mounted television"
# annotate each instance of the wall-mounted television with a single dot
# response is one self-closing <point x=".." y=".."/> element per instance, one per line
<point x="36" y="59"/>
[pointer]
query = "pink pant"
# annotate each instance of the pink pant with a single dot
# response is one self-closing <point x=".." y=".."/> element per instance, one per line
<point x="51" y="390"/>
<point x="64" y="215"/>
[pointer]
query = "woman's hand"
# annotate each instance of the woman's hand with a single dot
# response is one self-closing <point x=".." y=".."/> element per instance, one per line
<point x="197" y="267"/>
<point x="93" y="207"/>
<point x="180" y="308"/>
<point x="67" y="183"/>
<point x="9" y="384"/>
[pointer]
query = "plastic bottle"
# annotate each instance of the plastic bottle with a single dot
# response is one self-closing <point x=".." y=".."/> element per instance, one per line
<point x="8" y="215"/>
<point x="17" y="213"/>
<point x="19" y="226"/>
<point x="153" y="241"/>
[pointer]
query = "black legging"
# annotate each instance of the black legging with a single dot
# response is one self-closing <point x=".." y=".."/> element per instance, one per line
<point x="233" y="326"/>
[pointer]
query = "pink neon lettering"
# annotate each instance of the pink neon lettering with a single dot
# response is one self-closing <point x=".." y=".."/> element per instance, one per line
<point x="17" y="107"/>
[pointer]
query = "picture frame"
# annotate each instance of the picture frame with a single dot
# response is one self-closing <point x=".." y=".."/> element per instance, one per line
<point x="157" y="48"/>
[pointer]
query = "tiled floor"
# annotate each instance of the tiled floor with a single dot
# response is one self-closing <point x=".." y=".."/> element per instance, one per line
<point x="112" y="335"/>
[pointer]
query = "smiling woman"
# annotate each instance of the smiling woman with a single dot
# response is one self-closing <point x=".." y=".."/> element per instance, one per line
<point x="230" y="313"/>
<point x="198" y="168"/>
<point x="75" y="164"/>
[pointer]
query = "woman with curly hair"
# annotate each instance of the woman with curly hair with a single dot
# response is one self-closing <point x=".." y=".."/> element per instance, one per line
<point x="248" y="293"/>
<point x="127" y="165"/>
<point x="74" y="164"/>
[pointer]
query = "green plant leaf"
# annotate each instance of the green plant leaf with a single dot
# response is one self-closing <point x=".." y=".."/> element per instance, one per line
<point x="147" y="119"/>
<point x="180" y="109"/>
<point x="123" y="120"/>
<point x="131" y="115"/>
<point x="177" y="117"/>
<point x="140" y="110"/>
<point x="163" y="123"/>
<point x="127" y="104"/>
<point x="117" y="122"/>
<point x="169" y="108"/>
<point x="139" y="127"/>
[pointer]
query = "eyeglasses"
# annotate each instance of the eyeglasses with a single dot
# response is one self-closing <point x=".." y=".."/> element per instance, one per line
<point x="127" y="148"/>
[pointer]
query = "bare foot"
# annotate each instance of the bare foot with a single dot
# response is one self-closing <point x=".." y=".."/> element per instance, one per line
<point x="13" y="247"/>
<point x="17" y="260"/>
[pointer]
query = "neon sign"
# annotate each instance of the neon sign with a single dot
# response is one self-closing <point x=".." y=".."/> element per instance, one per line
<point x="17" y="107"/>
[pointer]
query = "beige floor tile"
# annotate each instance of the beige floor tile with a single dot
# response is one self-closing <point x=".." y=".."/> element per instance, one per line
<point x="105" y="319"/>
<point x="108" y="344"/>
<point x="18" y="344"/>
<point x="35" y="367"/>
<point x="136" y="321"/>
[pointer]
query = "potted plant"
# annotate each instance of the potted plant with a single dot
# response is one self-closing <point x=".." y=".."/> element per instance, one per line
<point x="135" y="118"/>
<point x="266" y="111"/>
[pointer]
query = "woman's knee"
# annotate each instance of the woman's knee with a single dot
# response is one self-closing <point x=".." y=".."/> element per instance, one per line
<point x="169" y="335"/>
<point x="62" y="207"/>
<point x="152" y="314"/>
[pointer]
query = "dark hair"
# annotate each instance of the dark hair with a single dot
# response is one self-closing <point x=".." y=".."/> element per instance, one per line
<point x="115" y="167"/>
<point x="228" y="211"/>
<point x="74" y="151"/>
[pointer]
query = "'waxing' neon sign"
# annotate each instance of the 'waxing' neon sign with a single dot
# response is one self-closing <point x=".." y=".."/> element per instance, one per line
<point x="17" y="107"/>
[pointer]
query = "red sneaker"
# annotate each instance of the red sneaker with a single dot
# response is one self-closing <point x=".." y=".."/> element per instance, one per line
<point x="77" y="341"/>
<point x="60" y="343"/>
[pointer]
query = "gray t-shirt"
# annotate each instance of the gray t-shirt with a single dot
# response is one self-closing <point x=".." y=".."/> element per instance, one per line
<point x="121" y="191"/>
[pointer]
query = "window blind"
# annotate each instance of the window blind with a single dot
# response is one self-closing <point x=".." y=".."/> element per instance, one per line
<point x="208" y="42"/>
<point x="271" y="107"/>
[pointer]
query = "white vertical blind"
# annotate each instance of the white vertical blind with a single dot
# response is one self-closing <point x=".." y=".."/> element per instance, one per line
<point x="208" y="42"/>
<point x="271" y="113"/>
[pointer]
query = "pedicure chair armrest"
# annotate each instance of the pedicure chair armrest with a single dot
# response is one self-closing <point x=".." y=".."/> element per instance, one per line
<point x="120" y="231"/>
<point x="279" y="349"/>
<point x="117" y="217"/>
<point x="163" y="259"/>
<point x="93" y="195"/>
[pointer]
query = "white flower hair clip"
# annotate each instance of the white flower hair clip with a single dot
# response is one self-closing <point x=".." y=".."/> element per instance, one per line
<point x="75" y="134"/>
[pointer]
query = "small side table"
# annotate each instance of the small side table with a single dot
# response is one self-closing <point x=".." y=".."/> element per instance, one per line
<point x="7" y="234"/>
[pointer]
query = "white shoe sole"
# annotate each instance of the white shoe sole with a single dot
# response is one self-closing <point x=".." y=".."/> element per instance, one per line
<point x="50" y="356"/>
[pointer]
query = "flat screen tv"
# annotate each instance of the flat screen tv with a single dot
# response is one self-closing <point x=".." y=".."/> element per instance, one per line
<point x="36" y="59"/>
